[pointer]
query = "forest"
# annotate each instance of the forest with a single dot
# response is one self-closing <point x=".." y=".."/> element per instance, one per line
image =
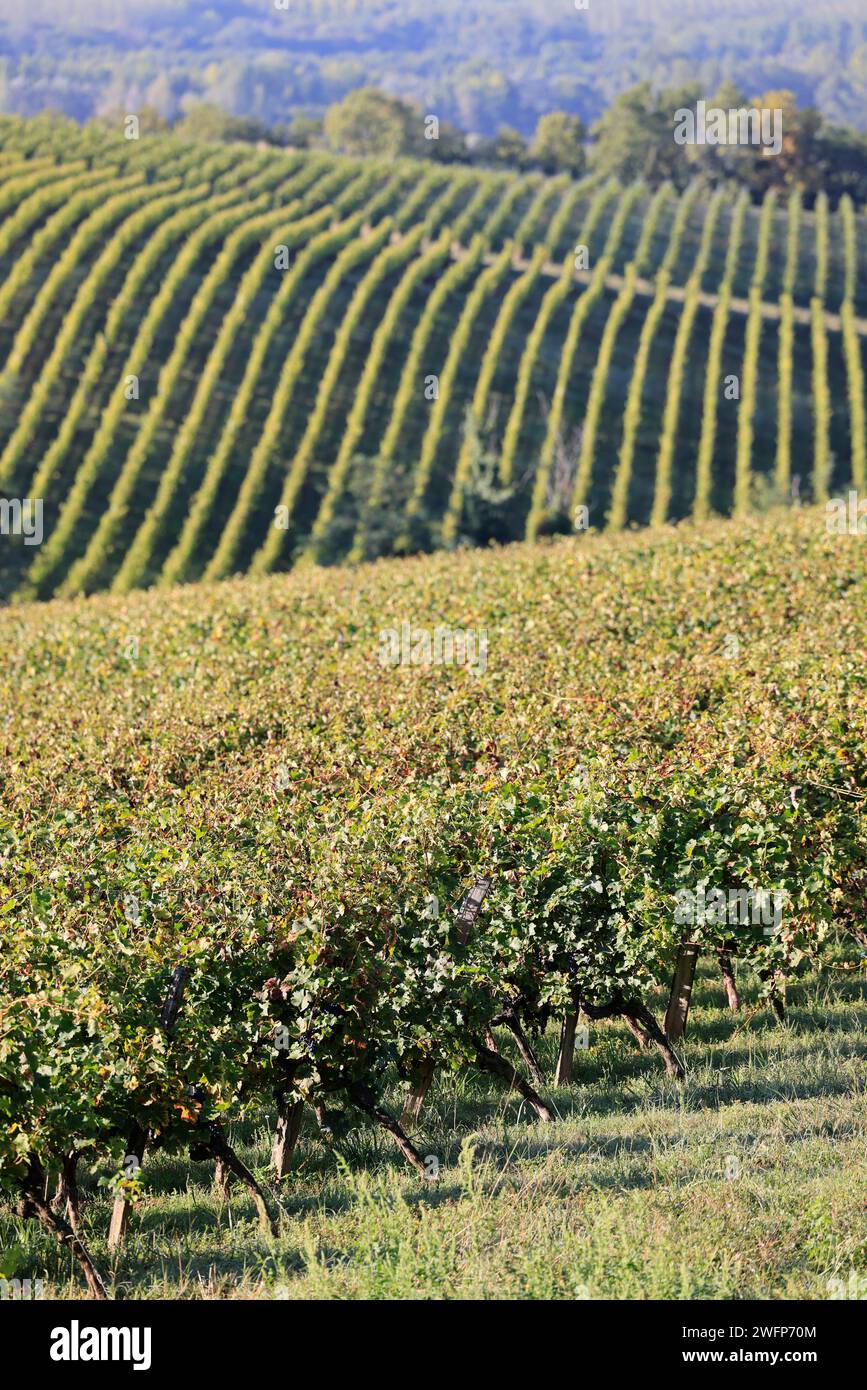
<point x="478" y="64"/>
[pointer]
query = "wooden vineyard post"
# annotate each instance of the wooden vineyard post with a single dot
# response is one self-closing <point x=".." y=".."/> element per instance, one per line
<point x="681" y="992"/>
<point x="174" y="998"/>
<point x="420" y="1084"/>
<point x="289" y="1117"/>
<point x="65" y="1200"/>
<point x="469" y="909"/>
<point x="222" y="1178"/>
<point x="566" y="1054"/>
<point x="136" y="1143"/>
<point x="135" y="1147"/>
<point x="728" y="975"/>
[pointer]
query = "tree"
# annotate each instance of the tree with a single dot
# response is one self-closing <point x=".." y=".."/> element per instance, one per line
<point x="305" y="133"/>
<point x="507" y="147"/>
<point x="151" y="122"/>
<point x="635" y="137"/>
<point x="207" y="122"/>
<point x="369" y="122"/>
<point x="450" y="147"/>
<point x="558" y="145"/>
<point x="726" y="161"/>
<point x="841" y="162"/>
<point x="796" y="163"/>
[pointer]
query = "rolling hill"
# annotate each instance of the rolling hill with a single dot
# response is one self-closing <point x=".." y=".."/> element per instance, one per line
<point x="229" y="777"/>
<point x="218" y="360"/>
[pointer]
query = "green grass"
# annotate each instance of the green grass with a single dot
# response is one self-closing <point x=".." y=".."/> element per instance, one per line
<point x="626" y="1197"/>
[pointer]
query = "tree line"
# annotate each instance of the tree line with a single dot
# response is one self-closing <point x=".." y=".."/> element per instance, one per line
<point x="634" y="139"/>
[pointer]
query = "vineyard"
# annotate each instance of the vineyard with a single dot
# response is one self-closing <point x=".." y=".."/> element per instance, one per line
<point x="260" y="874"/>
<point x="218" y="361"/>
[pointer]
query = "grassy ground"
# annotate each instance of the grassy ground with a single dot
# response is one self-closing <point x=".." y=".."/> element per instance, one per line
<point x="746" y="1181"/>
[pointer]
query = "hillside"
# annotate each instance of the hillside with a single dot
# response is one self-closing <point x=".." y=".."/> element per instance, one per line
<point x="714" y="645"/>
<point x="216" y="360"/>
<point x="249" y="779"/>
